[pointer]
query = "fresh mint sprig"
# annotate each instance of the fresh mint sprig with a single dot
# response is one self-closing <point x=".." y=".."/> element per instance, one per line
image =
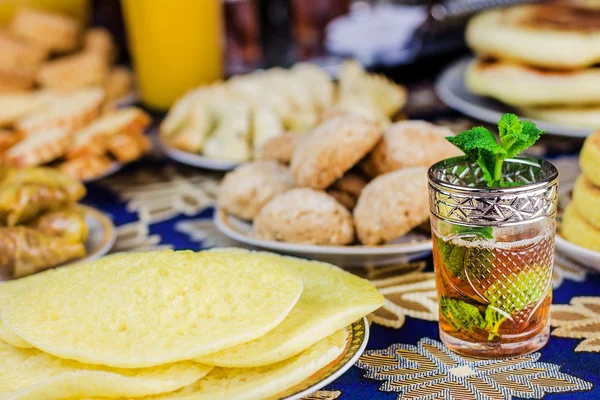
<point x="481" y="146"/>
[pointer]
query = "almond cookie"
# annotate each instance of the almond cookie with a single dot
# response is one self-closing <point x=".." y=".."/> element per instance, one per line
<point x="281" y="148"/>
<point x="392" y="205"/>
<point x="333" y="148"/>
<point x="352" y="183"/>
<point x="304" y="215"/>
<point x="344" y="198"/>
<point x="410" y="144"/>
<point x="245" y="190"/>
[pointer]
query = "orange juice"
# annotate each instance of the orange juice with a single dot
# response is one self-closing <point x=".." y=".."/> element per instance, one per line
<point x="76" y="8"/>
<point x="176" y="45"/>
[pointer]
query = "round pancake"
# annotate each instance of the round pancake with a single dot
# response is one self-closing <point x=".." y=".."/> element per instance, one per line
<point x="520" y="85"/>
<point x="589" y="158"/>
<point x="331" y="300"/>
<point x="584" y="116"/>
<point x="586" y="200"/>
<point x="577" y="230"/>
<point x="565" y="36"/>
<point x="263" y="382"/>
<point x="29" y="374"/>
<point x="146" y="309"/>
<point x="11" y="338"/>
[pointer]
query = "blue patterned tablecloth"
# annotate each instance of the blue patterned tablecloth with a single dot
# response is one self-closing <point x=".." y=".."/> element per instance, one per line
<point x="157" y="204"/>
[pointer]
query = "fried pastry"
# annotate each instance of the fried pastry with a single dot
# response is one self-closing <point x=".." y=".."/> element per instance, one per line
<point x="72" y="111"/>
<point x="410" y="144"/>
<point x="41" y="148"/>
<point x="504" y="81"/>
<point x="245" y="190"/>
<point x="19" y="54"/>
<point x="14" y="106"/>
<point x="554" y="35"/>
<point x="8" y="139"/>
<point x="304" y="215"/>
<point x="54" y="32"/>
<point x="118" y="83"/>
<point x="333" y="148"/>
<point x="73" y="72"/>
<point x="100" y="41"/>
<point x="392" y="205"/>
<point x="86" y="167"/>
<point x="16" y="80"/>
<point x="66" y="223"/>
<point x="128" y="146"/>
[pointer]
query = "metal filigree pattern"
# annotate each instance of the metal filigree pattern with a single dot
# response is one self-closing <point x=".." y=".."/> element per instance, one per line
<point x="457" y="193"/>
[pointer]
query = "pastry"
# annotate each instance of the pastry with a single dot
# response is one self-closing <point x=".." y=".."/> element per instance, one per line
<point x="344" y="198"/>
<point x="586" y="200"/>
<point x="392" y="205"/>
<point x="577" y="230"/>
<point x="583" y="116"/>
<point x="50" y="31"/>
<point x="266" y="125"/>
<point x="128" y="146"/>
<point x="520" y="85"/>
<point x="352" y="183"/>
<point x="16" y="80"/>
<point x="554" y="36"/>
<point x="118" y="83"/>
<point x="410" y="144"/>
<point x="8" y="139"/>
<point x="589" y="158"/>
<point x="73" y="72"/>
<point x="45" y="146"/>
<point x="331" y="149"/>
<point x="317" y="81"/>
<point x="14" y="106"/>
<point x="100" y="41"/>
<point x="304" y="215"/>
<point x="245" y="190"/>
<point x="280" y="148"/>
<point x="87" y="167"/>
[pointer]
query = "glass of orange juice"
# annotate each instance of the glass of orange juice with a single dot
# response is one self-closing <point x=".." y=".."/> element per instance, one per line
<point x="176" y="45"/>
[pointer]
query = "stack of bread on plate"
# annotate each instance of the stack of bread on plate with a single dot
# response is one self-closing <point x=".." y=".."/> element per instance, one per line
<point x="45" y="50"/>
<point x="347" y="179"/>
<point x="540" y="58"/>
<point x="71" y="131"/>
<point x="234" y="119"/>
<point x="220" y="324"/>
<point x="581" y="219"/>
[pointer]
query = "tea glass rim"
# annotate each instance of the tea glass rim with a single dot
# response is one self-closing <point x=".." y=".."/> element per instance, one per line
<point x="549" y="180"/>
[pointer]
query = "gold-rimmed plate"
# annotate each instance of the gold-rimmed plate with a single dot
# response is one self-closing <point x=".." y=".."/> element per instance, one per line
<point x="356" y="342"/>
<point x="415" y="244"/>
<point x="102" y="234"/>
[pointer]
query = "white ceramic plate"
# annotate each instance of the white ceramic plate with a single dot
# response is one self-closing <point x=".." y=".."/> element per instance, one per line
<point x="197" y="160"/>
<point x="356" y="342"/>
<point x="450" y="88"/>
<point x="102" y="234"/>
<point x="410" y="246"/>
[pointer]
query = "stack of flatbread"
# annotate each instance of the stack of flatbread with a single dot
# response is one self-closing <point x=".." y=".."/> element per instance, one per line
<point x="232" y="120"/>
<point x="541" y="59"/>
<point x="222" y="324"/>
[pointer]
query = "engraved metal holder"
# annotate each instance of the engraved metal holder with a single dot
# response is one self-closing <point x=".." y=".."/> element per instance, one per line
<point x="458" y="192"/>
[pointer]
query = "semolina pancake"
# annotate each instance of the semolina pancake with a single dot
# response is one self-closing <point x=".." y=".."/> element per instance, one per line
<point x="11" y="338"/>
<point x="29" y="374"/>
<point x="589" y="158"/>
<point x="584" y="116"/>
<point x="524" y="86"/>
<point x="577" y="230"/>
<point x="146" y="309"/>
<point x="331" y="300"/>
<point x="586" y="200"/>
<point x="263" y="382"/>
<point x="556" y="36"/>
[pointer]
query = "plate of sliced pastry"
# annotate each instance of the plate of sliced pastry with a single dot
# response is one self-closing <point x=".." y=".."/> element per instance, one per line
<point x="42" y="225"/>
<point x="223" y="125"/>
<point x="346" y="192"/>
<point x="579" y="229"/>
<point x="536" y="60"/>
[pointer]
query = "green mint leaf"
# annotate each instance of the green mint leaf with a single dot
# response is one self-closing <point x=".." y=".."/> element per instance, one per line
<point x="516" y="135"/>
<point x="460" y="260"/>
<point x="517" y="291"/>
<point x="494" y="320"/>
<point x="461" y="315"/>
<point x="480" y="145"/>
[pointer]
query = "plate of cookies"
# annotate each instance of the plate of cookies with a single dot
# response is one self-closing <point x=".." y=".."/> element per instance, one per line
<point x="224" y="125"/>
<point x="348" y="192"/>
<point x="579" y="229"/>
<point x="545" y="70"/>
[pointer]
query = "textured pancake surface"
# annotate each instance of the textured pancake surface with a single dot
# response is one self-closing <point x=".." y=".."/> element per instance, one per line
<point x="545" y="35"/>
<point x="29" y="374"/>
<point x="521" y="85"/>
<point x="589" y="158"/>
<point x="331" y="300"/>
<point x="147" y="309"/>
<point x="583" y="116"/>
<point x="577" y="230"/>
<point x="586" y="200"/>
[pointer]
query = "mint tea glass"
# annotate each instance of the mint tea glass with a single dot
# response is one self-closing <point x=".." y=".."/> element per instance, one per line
<point x="493" y="253"/>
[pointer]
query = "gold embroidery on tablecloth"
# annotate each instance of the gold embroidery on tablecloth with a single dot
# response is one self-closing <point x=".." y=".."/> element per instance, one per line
<point x="204" y="231"/>
<point x="161" y="194"/>
<point x="430" y="370"/>
<point x="324" y="395"/>
<point x="135" y="236"/>
<point x="579" y="320"/>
